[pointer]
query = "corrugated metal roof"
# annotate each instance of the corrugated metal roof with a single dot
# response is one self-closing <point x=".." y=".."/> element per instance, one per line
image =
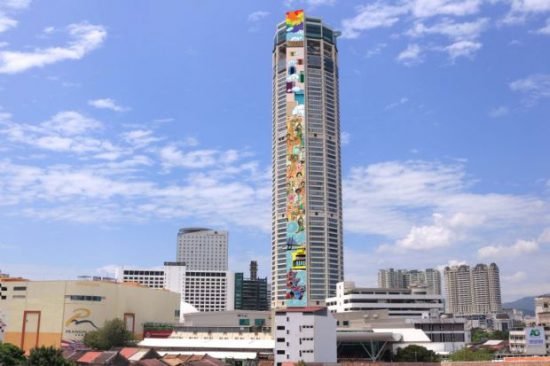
<point x="138" y="355"/>
<point x="205" y="344"/>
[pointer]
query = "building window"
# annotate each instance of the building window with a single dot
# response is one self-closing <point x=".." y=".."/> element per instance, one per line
<point x="280" y="351"/>
<point x="20" y="288"/>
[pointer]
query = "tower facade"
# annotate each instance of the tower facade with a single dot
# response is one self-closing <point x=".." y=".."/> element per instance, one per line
<point x="307" y="255"/>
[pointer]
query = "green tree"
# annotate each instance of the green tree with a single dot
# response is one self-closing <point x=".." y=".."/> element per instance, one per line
<point x="112" y="334"/>
<point x="414" y="353"/>
<point x="479" y="335"/>
<point x="467" y="354"/>
<point x="11" y="355"/>
<point x="47" y="356"/>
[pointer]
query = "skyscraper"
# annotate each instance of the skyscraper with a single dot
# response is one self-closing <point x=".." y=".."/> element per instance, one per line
<point x="307" y="257"/>
<point x="202" y="249"/>
<point x="473" y="291"/>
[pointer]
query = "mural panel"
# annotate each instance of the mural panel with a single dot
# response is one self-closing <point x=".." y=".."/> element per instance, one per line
<point x="295" y="25"/>
<point x="296" y="253"/>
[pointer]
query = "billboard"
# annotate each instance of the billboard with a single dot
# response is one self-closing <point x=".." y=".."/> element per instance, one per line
<point x="535" y="341"/>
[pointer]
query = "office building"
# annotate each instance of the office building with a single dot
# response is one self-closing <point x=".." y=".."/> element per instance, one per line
<point x="403" y="303"/>
<point x="49" y="313"/>
<point x="473" y="291"/>
<point x="202" y="249"/>
<point x="307" y="256"/>
<point x="404" y="278"/>
<point x="251" y="293"/>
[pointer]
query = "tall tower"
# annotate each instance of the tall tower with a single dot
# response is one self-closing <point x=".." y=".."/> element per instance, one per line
<point x="307" y="256"/>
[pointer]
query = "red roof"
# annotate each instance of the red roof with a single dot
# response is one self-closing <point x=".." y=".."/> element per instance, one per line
<point x="89" y="357"/>
<point x="128" y="352"/>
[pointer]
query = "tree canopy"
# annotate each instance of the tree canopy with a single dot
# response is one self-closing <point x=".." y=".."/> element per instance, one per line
<point x="414" y="353"/>
<point x="47" y="356"/>
<point x="11" y="355"/>
<point x="112" y="334"/>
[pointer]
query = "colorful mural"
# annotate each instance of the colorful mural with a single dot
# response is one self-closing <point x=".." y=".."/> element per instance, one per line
<point x="295" y="25"/>
<point x="296" y="250"/>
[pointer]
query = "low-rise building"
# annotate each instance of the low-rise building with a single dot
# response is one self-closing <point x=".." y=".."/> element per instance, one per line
<point x="52" y="313"/>
<point x="542" y="310"/>
<point x="405" y="303"/>
<point x="307" y="334"/>
<point x="530" y="340"/>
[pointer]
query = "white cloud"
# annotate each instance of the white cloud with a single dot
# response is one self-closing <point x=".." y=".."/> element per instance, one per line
<point x="534" y="87"/>
<point x="376" y="50"/>
<point x="140" y="138"/>
<point x="376" y="15"/>
<point x="451" y="29"/>
<point x="430" y="8"/>
<point x="498" y="112"/>
<point x="257" y="16"/>
<point x="107" y="103"/>
<point x="6" y="22"/>
<point x="172" y="157"/>
<point x="345" y="138"/>
<point x="462" y="49"/>
<point x="85" y="38"/>
<point x="15" y="4"/>
<point x="521" y="9"/>
<point x="411" y="55"/>
<point x="517" y="277"/>
<point x="71" y="123"/>
<point x="401" y="101"/>
<point x="546" y="29"/>
<point x="513" y="251"/>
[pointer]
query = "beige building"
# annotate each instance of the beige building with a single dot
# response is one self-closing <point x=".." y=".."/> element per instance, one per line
<point x="473" y="291"/>
<point x="49" y="313"/>
<point x="542" y="310"/>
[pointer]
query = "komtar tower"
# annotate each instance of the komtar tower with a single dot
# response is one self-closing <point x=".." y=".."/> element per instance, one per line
<point x="307" y="254"/>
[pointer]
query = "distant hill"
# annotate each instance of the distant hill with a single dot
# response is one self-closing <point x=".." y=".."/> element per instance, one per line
<point x="526" y="304"/>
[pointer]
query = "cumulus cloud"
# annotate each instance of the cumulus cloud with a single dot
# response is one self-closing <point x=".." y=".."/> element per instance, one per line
<point x="107" y="103"/>
<point x="462" y="49"/>
<point x="377" y="15"/>
<point x="85" y="38"/>
<point x="519" y="248"/>
<point x="140" y="138"/>
<point x="534" y="87"/>
<point x="411" y="55"/>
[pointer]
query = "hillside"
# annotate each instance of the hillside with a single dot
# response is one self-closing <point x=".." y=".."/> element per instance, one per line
<point x="526" y="304"/>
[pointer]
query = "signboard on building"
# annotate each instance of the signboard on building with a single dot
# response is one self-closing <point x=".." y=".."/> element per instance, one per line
<point x="535" y="341"/>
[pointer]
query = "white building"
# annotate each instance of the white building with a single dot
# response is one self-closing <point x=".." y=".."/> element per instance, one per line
<point x="407" y="303"/>
<point x="530" y="341"/>
<point x="202" y="249"/>
<point x="307" y="334"/>
<point x="203" y="290"/>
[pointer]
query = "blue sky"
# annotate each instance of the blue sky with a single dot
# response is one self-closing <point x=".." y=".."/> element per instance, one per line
<point x="121" y="122"/>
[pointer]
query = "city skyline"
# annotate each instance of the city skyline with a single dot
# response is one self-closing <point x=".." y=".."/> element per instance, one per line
<point x="117" y="129"/>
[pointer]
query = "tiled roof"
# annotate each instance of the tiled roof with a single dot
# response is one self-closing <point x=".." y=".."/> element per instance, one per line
<point x="128" y="352"/>
<point x="89" y="357"/>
